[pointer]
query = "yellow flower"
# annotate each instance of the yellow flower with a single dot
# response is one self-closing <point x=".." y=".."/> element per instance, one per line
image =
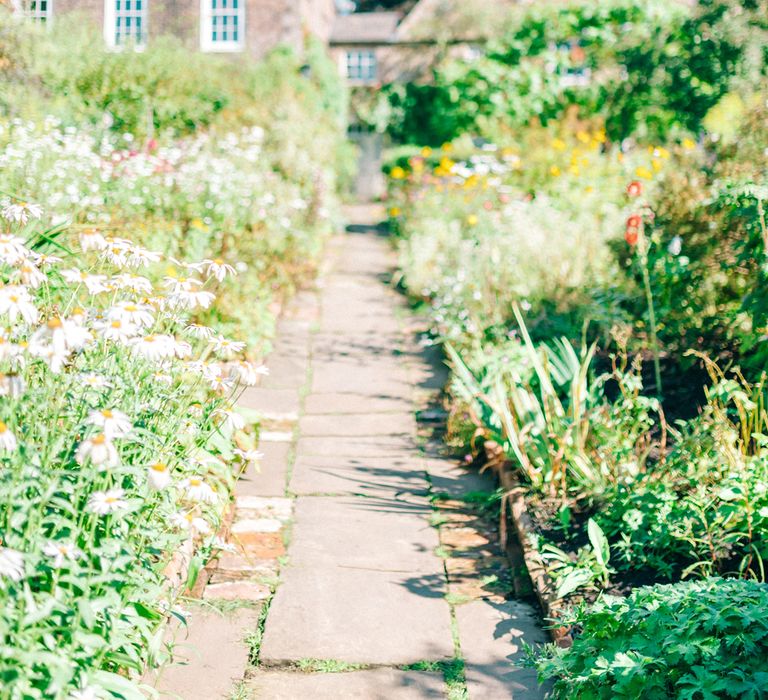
<point x="657" y="164"/>
<point x="582" y="136"/>
<point x="554" y="171"/>
<point x="397" y="173"/>
<point x="574" y="170"/>
<point x="447" y="147"/>
<point x="589" y="189"/>
<point x="394" y="212"/>
<point x="426" y="151"/>
<point x="472" y="220"/>
<point x="600" y="136"/>
<point x="558" y="145"/>
<point x="644" y="173"/>
<point x="689" y="144"/>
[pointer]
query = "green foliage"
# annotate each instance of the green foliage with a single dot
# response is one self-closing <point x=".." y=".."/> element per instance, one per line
<point x="707" y="639"/>
<point x="647" y="68"/>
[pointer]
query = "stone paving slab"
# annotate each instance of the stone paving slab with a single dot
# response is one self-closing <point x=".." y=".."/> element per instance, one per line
<point x="269" y="476"/>
<point x="357" y="616"/>
<point x="491" y="635"/>
<point x="372" y="476"/>
<point x="375" y="684"/>
<point x="276" y="404"/>
<point x="210" y="655"/>
<point x="375" y="534"/>
<point x="372" y="379"/>
<point x="364" y="447"/>
<point x="286" y="371"/>
<point x="340" y="403"/>
<point x="363" y="424"/>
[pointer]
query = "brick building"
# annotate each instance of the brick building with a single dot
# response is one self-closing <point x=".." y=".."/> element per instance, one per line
<point x="221" y="26"/>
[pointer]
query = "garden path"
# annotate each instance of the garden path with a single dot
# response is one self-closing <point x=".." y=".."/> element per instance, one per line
<point x="381" y="593"/>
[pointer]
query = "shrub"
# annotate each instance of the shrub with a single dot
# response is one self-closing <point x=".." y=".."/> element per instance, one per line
<point x="707" y="639"/>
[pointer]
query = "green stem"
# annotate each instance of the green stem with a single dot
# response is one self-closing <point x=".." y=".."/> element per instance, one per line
<point x="652" y="320"/>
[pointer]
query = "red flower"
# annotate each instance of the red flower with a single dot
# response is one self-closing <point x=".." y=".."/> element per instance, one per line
<point x="630" y="236"/>
<point x="635" y="188"/>
<point x="633" y="229"/>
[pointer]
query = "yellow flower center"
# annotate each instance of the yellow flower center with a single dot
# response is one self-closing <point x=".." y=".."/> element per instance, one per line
<point x="159" y="467"/>
<point x="107" y="413"/>
<point x="195" y="482"/>
<point x="3" y="427"/>
<point x="99" y="440"/>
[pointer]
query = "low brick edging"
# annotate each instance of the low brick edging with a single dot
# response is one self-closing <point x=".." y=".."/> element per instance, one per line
<point x="514" y="504"/>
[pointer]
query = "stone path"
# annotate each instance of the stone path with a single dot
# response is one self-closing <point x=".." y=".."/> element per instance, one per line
<point x="382" y="589"/>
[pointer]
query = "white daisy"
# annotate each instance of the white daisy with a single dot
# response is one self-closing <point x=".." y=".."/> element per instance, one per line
<point x="190" y="521"/>
<point x="158" y="476"/>
<point x="92" y="240"/>
<point x="95" y="284"/>
<point x="16" y="302"/>
<point x="198" y="490"/>
<point x="12" y="249"/>
<point x="154" y="346"/>
<point x="116" y="330"/>
<point x="105" y="502"/>
<point x="61" y="552"/>
<point x="11" y="564"/>
<point x="86" y="692"/>
<point x="231" y="419"/>
<point x="247" y="372"/>
<point x="137" y="314"/>
<point x="21" y="212"/>
<point x="8" y="442"/>
<point x="114" y="424"/>
<point x="136" y="283"/>
<point x="198" y="331"/>
<point x="218" y="269"/>
<point x="100" y="450"/>
<point x="225" y="347"/>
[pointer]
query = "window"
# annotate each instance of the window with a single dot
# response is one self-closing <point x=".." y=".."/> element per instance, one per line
<point x="125" y="22"/>
<point x="41" y="10"/>
<point x="361" y="66"/>
<point x="222" y="25"/>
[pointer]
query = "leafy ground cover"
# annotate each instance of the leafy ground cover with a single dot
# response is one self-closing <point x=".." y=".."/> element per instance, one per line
<point x="593" y="268"/>
<point x="144" y="248"/>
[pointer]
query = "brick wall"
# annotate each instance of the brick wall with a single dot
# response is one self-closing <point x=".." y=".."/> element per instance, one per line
<point x="269" y="23"/>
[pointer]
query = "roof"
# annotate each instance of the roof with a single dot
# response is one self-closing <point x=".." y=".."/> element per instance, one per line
<point x="365" y="28"/>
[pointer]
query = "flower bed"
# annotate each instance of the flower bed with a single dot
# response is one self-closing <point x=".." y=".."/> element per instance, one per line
<point x="140" y="274"/>
<point x="575" y="297"/>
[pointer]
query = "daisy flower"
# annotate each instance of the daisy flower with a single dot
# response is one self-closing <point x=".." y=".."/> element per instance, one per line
<point x="101" y="451"/>
<point x="247" y="372"/>
<point x="91" y="380"/>
<point x="231" y="419"/>
<point x="8" y="441"/>
<point x="30" y="274"/>
<point x="61" y="552"/>
<point x="137" y="314"/>
<point x="136" y="283"/>
<point x="21" y="212"/>
<point x="154" y="347"/>
<point x="218" y="269"/>
<point x="225" y="347"/>
<point x="190" y="521"/>
<point x="116" y="330"/>
<point x="248" y="455"/>
<point x="95" y="284"/>
<point x="92" y="240"/>
<point x="114" y="424"/>
<point x="158" y="476"/>
<point x="198" y="331"/>
<point x="12" y="249"/>
<point x="16" y="303"/>
<point x="86" y="692"/>
<point x="198" y="490"/>
<point x="105" y="502"/>
<point x="11" y="564"/>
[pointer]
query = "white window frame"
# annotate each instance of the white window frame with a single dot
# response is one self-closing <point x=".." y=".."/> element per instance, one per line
<point x="206" y="27"/>
<point x="371" y="62"/>
<point x="32" y="10"/>
<point x="110" y="23"/>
